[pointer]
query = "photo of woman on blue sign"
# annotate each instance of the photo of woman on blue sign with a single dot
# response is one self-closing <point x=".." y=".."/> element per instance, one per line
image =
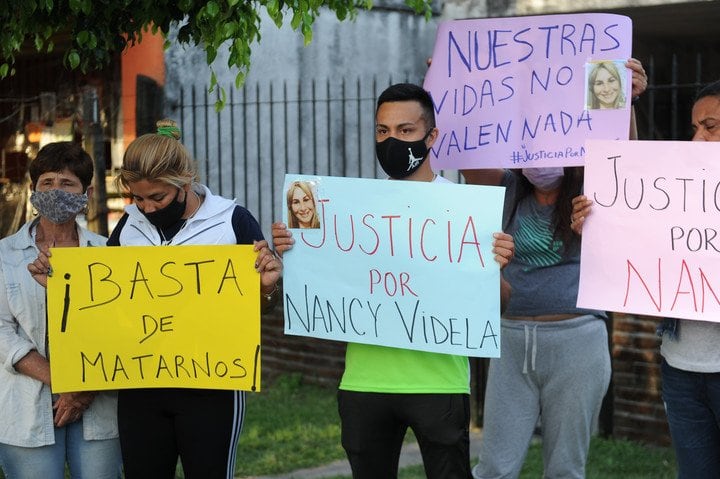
<point x="301" y="206"/>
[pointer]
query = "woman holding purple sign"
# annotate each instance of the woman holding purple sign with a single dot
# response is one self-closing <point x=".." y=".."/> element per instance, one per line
<point x="555" y="364"/>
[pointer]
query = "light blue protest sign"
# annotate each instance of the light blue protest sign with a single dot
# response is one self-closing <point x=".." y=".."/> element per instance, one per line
<point x="528" y="91"/>
<point x="395" y="263"/>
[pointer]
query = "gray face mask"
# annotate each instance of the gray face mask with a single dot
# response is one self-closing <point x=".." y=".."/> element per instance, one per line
<point x="58" y="206"/>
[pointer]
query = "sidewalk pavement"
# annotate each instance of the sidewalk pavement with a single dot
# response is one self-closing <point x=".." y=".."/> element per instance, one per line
<point x="409" y="456"/>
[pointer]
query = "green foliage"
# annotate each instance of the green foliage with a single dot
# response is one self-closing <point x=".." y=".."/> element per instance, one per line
<point x="101" y="28"/>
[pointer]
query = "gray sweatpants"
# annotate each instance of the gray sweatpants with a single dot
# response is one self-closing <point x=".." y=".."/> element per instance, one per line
<point x="558" y="371"/>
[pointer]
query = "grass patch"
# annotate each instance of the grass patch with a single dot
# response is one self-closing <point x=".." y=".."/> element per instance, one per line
<point x="608" y="458"/>
<point x="292" y="426"/>
<point x="289" y="426"/>
<point x="629" y="460"/>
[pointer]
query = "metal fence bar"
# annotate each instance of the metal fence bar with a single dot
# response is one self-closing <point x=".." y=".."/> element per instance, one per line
<point x="259" y="153"/>
<point x="674" y="99"/>
<point x="314" y="127"/>
<point x="328" y="128"/>
<point x="301" y="135"/>
<point x="218" y="129"/>
<point x="206" y="158"/>
<point x="375" y="95"/>
<point x="358" y="119"/>
<point x="272" y="152"/>
<point x="232" y="141"/>
<point x="343" y="122"/>
<point x="286" y="148"/>
<point x="194" y="122"/>
<point x="245" y="148"/>
<point x="182" y="109"/>
<point x="698" y="72"/>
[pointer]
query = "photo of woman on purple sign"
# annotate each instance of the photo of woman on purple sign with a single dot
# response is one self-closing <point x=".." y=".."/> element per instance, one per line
<point x="605" y="86"/>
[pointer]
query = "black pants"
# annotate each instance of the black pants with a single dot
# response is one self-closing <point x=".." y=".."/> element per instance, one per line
<point x="374" y="425"/>
<point x="201" y="426"/>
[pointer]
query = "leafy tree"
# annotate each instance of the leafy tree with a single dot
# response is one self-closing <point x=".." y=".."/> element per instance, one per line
<point x="101" y="28"/>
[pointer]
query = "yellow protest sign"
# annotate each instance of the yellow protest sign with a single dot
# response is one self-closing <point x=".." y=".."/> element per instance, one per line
<point x="148" y="316"/>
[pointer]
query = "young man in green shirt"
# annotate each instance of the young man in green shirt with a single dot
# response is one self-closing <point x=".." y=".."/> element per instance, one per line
<point x="385" y="390"/>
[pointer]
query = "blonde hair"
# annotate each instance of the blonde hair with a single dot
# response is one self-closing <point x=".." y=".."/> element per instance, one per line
<point x="158" y="157"/>
<point x="304" y="186"/>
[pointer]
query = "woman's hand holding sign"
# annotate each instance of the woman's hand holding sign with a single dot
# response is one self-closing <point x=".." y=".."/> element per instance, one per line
<point x="503" y="248"/>
<point x="581" y="209"/>
<point x="270" y="268"/>
<point x="282" y="238"/>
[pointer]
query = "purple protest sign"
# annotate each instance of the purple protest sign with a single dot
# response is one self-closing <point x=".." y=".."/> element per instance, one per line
<point x="528" y="91"/>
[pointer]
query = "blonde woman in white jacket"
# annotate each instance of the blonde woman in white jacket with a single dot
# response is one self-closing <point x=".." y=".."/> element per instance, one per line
<point x="160" y="425"/>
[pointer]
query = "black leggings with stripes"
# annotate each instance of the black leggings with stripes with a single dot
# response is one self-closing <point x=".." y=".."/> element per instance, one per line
<point x="200" y="426"/>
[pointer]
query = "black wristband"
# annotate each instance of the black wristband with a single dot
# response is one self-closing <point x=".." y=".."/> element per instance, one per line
<point x="635" y="99"/>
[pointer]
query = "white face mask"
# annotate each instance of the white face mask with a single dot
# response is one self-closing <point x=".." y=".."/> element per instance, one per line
<point x="545" y="179"/>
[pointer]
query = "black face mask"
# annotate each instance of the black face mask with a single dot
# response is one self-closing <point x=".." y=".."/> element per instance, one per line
<point x="169" y="215"/>
<point x="400" y="159"/>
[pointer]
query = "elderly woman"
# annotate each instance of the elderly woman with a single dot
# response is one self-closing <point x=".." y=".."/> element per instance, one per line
<point x="605" y="87"/>
<point x="41" y="432"/>
<point x="200" y="426"/>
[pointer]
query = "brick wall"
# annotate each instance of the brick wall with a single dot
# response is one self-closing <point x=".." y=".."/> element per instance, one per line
<point x="319" y="361"/>
<point x="636" y="408"/>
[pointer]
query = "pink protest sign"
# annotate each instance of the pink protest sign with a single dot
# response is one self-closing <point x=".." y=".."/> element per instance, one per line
<point x="528" y="91"/>
<point x="651" y="244"/>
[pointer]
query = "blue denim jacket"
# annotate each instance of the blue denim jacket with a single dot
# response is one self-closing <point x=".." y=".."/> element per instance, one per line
<point x="26" y="416"/>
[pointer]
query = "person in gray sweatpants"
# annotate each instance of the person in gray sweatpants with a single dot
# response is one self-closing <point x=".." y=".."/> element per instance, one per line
<point x="555" y="361"/>
<point x="563" y="366"/>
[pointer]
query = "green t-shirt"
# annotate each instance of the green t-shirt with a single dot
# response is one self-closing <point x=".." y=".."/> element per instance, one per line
<point x="383" y="369"/>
